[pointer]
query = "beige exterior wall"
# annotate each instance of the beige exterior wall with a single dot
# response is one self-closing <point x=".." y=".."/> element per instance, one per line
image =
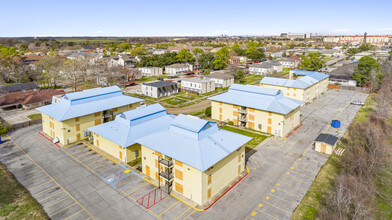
<point x="305" y="95"/>
<point x="269" y="122"/>
<point x="191" y="182"/>
<point x="71" y="130"/>
<point x="328" y="148"/>
<point x="123" y="154"/>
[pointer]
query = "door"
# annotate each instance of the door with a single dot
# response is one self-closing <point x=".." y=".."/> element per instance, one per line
<point x="147" y="170"/>
<point x="269" y="129"/>
<point x="323" y="148"/>
<point x="77" y="137"/>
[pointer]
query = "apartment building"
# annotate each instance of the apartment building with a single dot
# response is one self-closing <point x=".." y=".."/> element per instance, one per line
<point x="288" y="63"/>
<point x="183" y="154"/>
<point x="221" y="79"/>
<point x="66" y="121"/>
<point x="197" y="85"/>
<point x="151" y="71"/>
<point x="178" y="68"/>
<point x="305" y="86"/>
<point x="265" y="68"/>
<point x="159" y="89"/>
<point x="262" y="109"/>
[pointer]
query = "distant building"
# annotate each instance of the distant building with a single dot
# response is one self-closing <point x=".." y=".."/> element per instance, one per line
<point x="288" y="63"/>
<point x="198" y="86"/>
<point x="221" y="79"/>
<point x="127" y="61"/>
<point x="265" y="68"/>
<point x="178" y="68"/>
<point x="28" y="99"/>
<point x="277" y="54"/>
<point x="159" y="89"/>
<point x="236" y="60"/>
<point x="151" y="71"/>
<point x="299" y="35"/>
<point x="342" y="80"/>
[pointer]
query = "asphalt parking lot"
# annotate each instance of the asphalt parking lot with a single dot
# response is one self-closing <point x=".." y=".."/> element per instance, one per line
<point x="77" y="182"/>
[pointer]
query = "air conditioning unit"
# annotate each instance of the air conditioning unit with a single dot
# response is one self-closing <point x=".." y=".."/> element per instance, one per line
<point x="90" y="138"/>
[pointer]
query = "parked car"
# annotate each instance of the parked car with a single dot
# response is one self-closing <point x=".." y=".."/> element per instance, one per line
<point x="357" y="102"/>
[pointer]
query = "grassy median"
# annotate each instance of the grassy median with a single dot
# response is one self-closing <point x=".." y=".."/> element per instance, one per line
<point x="15" y="201"/>
<point x="257" y="138"/>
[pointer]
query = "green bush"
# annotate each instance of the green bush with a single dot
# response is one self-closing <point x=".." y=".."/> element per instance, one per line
<point x="231" y="123"/>
<point x="135" y="162"/>
<point x="3" y="129"/>
<point x="208" y="112"/>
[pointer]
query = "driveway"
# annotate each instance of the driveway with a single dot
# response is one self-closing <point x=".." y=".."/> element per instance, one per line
<point x="87" y="184"/>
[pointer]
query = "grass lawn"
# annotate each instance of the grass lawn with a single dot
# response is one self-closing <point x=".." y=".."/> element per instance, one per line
<point x="188" y="96"/>
<point x="34" y="116"/>
<point x="251" y="78"/>
<point x="15" y="201"/>
<point x="257" y="138"/>
<point x="363" y="112"/>
<point x="323" y="183"/>
<point x="174" y="101"/>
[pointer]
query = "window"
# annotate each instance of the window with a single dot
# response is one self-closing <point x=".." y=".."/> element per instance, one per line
<point x="179" y="188"/>
<point x="115" y="109"/>
<point x="209" y="193"/>
<point x="251" y="117"/>
<point x="158" y="154"/>
<point x="220" y="117"/>
<point x="130" y="105"/>
<point x="239" y="158"/>
<point x="220" y="110"/>
<point x="269" y="113"/>
<point x="178" y="163"/>
<point x="251" y="110"/>
<point x="78" y="127"/>
<point x="270" y="121"/>
<point x="98" y="121"/>
<point x="96" y="114"/>
<point x="178" y="174"/>
<point x="235" y="114"/>
<point x="77" y="119"/>
<point x="209" y="180"/>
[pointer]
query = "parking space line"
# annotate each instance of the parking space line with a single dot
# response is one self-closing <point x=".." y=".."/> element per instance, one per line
<point x="298" y="173"/>
<point x="79" y="161"/>
<point x="296" y="179"/>
<point x="58" y="201"/>
<point x="51" y="178"/>
<point x="102" y="166"/>
<point x="86" y="144"/>
<point x="277" y="207"/>
<point x="73" y="144"/>
<point x="256" y="163"/>
<point x="183" y="213"/>
<point x="44" y="191"/>
<point x="189" y="214"/>
<point x="135" y="189"/>
<point x="30" y="175"/>
<point x="293" y="186"/>
<point x="73" y="214"/>
<point x="50" y="196"/>
<point x="289" y="192"/>
<point x="281" y="199"/>
<point x="169" y="208"/>
<point x="40" y="185"/>
<point x="20" y="174"/>
<point x="63" y="209"/>
<point x="94" y="161"/>
<point x="77" y="152"/>
<point x="35" y="179"/>
<point x="267" y="214"/>
<point x="90" y="157"/>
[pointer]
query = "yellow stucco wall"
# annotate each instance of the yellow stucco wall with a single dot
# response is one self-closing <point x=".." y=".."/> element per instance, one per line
<point x="329" y="148"/>
<point x="195" y="183"/>
<point x="269" y="122"/>
<point x="67" y="131"/>
<point x="124" y="154"/>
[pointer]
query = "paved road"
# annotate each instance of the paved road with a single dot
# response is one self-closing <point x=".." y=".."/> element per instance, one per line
<point x="85" y="184"/>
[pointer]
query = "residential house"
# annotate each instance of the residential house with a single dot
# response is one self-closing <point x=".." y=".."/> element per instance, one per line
<point x="151" y="71"/>
<point x="126" y="61"/>
<point x="66" y="121"/>
<point x="254" y="107"/>
<point x="306" y="86"/>
<point x="184" y="155"/>
<point x="28" y="99"/>
<point x="265" y="68"/>
<point x="159" y="89"/>
<point x="197" y="85"/>
<point x="237" y="60"/>
<point x="178" y="68"/>
<point x="221" y="79"/>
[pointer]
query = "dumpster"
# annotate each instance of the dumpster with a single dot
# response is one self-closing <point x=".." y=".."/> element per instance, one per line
<point x="335" y="123"/>
<point x="1" y="141"/>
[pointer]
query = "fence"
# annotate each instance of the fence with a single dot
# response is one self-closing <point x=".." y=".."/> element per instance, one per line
<point x="12" y="127"/>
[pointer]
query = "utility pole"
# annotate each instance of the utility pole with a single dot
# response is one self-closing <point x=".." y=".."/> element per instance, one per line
<point x="364" y="38"/>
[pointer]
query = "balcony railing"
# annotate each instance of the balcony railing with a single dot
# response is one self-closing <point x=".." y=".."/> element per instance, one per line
<point x="243" y="119"/>
<point x="166" y="163"/>
<point x="243" y="111"/>
<point x="166" y="176"/>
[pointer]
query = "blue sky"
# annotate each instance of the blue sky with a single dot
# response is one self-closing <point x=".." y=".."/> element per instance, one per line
<point x="192" y="18"/>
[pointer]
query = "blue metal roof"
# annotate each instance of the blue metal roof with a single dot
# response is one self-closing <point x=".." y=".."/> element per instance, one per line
<point x="314" y="74"/>
<point x="196" y="142"/>
<point x="87" y="102"/>
<point x="257" y="97"/>
<point x="310" y="78"/>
